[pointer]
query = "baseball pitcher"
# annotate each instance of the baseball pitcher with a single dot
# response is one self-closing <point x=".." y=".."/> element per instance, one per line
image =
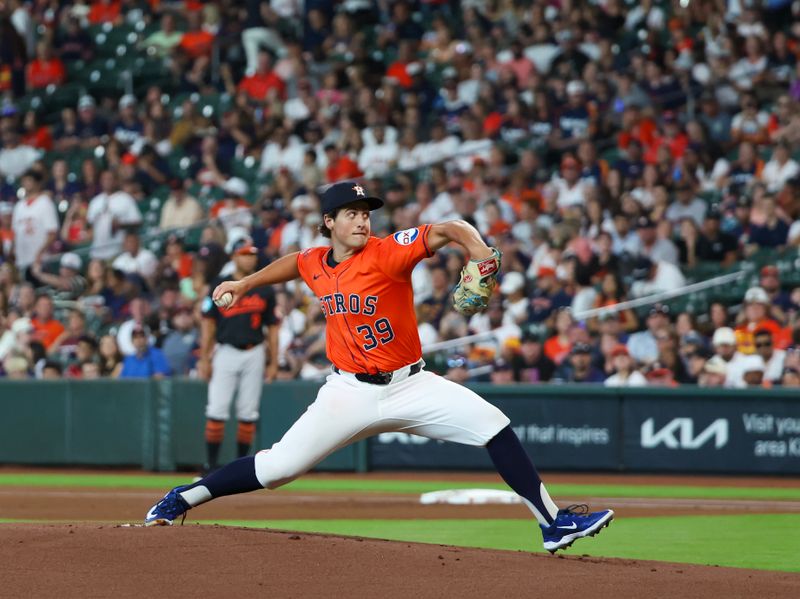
<point x="378" y="382"/>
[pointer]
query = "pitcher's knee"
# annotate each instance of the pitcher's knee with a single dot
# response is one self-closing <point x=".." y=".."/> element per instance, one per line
<point x="272" y="474"/>
<point x="495" y="421"/>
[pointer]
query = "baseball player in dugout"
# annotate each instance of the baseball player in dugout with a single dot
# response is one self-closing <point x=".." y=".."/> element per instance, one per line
<point x="234" y="336"/>
<point x="378" y="382"/>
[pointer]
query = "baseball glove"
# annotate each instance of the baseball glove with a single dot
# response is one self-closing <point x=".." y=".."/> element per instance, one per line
<point x="478" y="280"/>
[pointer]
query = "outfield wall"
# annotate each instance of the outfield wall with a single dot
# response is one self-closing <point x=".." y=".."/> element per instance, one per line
<point x="158" y="425"/>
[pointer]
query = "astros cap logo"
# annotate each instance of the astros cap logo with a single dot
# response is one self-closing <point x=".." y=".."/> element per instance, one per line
<point x="359" y="191"/>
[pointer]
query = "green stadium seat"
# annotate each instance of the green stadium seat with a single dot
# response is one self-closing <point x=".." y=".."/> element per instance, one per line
<point x="246" y="168"/>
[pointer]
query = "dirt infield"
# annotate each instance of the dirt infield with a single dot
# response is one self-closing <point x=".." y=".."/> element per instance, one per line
<point x="106" y="561"/>
<point x="85" y="553"/>
<point x="129" y="505"/>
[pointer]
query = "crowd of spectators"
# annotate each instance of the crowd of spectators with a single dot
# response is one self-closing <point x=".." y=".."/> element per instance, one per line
<point x="608" y="148"/>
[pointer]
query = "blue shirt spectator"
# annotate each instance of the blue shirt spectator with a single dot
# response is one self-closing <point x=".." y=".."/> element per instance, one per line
<point x="147" y="362"/>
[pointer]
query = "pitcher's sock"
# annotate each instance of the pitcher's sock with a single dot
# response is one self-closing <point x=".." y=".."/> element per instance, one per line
<point x="237" y="477"/>
<point x="516" y="468"/>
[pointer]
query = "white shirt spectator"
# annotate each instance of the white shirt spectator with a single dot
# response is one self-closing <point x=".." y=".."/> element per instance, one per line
<point x="440" y="210"/>
<point x="296" y="110"/>
<point x="662" y="250"/>
<point x="469" y="150"/>
<point x="696" y="210"/>
<point x="32" y="221"/>
<point x="377" y="159"/>
<point x="468" y="91"/>
<point x="274" y="156"/>
<point x="515" y="312"/>
<point x="642" y="346"/>
<point x="668" y="277"/>
<point x="144" y="263"/>
<point x="235" y="217"/>
<point x="568" y="196"/>
<point x="15" y="161"/>
<point x="436" y="151"/>
<point x="583" y="300"/>
<point x="389" y="136"/>
<point x="104" y="211"/>
<point x="741" y="364"/>
<point x="421" y="282"/>
<point x="773" y="369"/>
<point x="776" y="175"/>
<point x="743" y="72"/>
<point x="427" y="334"/>
<point x="409" y="160"/>
<point x="634" y="379"/>
<point x="654" y="18"/>
<point x="293" y="325"/>
<point x="794" y="233"/>
<point x="296" y="234"/>
<point x="750" y="125"/>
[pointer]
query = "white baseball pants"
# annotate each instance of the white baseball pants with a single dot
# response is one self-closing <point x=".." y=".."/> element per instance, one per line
<point x="236" y="371"/>
<point x="347" y="410"/>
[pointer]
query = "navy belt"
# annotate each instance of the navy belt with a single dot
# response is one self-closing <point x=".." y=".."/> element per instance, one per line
<point x="382" y="378"/>
<point x="244" y="347"/>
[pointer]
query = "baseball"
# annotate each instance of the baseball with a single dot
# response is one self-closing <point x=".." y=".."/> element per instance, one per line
<point x="225" y="300"/>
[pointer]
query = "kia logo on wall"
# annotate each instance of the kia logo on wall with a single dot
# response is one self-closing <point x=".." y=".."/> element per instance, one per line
<point x="679" y="433"/>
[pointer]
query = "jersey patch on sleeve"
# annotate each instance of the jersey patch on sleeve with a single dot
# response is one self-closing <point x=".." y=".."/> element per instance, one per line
<point x="406" y="237"/>
<point x="208" y="304"/>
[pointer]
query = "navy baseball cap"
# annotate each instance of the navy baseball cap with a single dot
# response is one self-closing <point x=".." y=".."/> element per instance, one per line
<point x="346" y="192"/>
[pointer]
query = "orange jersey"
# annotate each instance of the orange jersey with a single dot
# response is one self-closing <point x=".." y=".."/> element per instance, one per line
<point x="368" y="301"/>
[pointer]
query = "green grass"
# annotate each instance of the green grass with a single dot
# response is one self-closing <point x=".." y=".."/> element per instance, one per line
<point x="314" y="485"/>
<point x="762" y="541"/>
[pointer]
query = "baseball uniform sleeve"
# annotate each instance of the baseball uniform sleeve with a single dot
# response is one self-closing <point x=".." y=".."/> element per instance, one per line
<point x="308" y="262"/>
<point x="269" y="317"/>
<point x="209" y="309"/>
<point x="400" y="252"/>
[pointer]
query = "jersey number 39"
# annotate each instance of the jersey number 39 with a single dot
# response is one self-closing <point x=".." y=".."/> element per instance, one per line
<point x="381" y="332"/>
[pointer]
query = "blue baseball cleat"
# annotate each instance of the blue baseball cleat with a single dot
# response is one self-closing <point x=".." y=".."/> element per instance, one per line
<point x="572" y="523"/>
<point x="168" y="509"/>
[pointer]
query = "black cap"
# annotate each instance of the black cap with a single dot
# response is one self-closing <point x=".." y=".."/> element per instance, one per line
<point x="714" y="212"/>
<point x="346" y="192"/>
<point x="644" y="222"/>
<point x="641" y="268"/>
<point x="88" y="339"/>
<point x="581" y="348"/>
<point x="534" y="333"/>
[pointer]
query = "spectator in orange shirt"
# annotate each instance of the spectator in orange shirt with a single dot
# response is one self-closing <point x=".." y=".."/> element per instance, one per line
<point x="340" y="166"/>
<point x="35" y="134"/>
<point x="258" y="85"/>
<point x="196" y="42"/>
<point x="558" y="346"/>
<point x="757" y="317"/>
<point x="399" y="69"/>
<point x="45" y="328"/>
<point x="636" y="127"/>
<point x="104" y="11"/>
<point x="673" y="138"/>
<point x="46" y="69"/>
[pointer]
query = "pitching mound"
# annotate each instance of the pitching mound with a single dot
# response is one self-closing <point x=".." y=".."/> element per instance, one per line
<point x="213" y="561"/>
